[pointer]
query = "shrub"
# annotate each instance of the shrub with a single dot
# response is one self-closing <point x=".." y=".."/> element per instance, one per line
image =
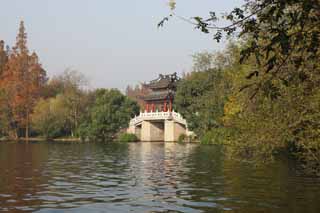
<point x="207" y="138"/>
<point x="127" y="137"/>
<point x="216" y="136"/>
<point x="182" y="138"/>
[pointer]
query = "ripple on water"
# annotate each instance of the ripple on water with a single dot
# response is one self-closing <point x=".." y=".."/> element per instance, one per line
<point x="145" y="177"/>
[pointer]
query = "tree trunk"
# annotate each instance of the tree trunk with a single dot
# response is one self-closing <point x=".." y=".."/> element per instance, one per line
<point x="27" y="126"/>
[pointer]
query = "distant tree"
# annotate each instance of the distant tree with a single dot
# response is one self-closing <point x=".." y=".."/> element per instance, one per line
<point x="52" y="88"/>
<point x="137" y="93"/>
<point x="202" y="61"/>
<point x="110" y="113"/>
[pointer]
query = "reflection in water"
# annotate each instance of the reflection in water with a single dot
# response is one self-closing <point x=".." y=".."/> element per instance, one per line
<point x="145" y="177"/>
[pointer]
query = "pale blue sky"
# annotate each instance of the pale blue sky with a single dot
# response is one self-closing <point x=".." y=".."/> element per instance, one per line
<point x="114" y="43"/>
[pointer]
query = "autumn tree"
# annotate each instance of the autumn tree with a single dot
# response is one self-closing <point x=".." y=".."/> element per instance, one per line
<point x="22" y="80"/>
<point x="3" y="106"/>
<point x="3" y="57"/>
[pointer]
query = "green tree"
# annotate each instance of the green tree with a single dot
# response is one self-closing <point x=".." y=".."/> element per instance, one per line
<point x="277" y="33"/>
<point x="72" y="86"/>
<point x="110" y="113"/>
<point x="192" y="101"/>
<point x="75" y="97"/>
<point x="201" y="96"/>
<point x="50" y="117"/>
<point x="203" y="61"/>
<point x="282" y="117"/>
<point x="273" y="105"/>
<point x="5" y="115"/>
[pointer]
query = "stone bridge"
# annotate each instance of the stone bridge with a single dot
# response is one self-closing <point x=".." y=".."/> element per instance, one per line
<point x="158" y="126"/>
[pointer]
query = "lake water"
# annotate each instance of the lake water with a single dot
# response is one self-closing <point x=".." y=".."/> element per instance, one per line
<point x="145" y="177"/>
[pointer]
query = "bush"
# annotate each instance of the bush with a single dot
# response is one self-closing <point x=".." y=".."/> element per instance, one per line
<point x="127" y="137"/>
<point x="207" y="138"/>
<point x="216" y="136"/>
<point x="182" y="138"/>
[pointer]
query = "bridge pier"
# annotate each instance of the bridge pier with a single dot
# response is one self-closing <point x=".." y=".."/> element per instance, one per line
<point x="152" y="131"/>
<point x="173" y="130"/>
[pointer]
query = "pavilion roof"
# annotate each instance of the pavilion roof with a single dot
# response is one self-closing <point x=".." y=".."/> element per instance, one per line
<point x="163" y="82"/>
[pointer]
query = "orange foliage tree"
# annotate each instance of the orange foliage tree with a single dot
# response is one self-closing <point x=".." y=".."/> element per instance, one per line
<point x="21" y="81"/>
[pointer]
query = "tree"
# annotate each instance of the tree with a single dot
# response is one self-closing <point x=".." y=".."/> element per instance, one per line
<point x="49" y="117"/>
<point x="5" y="115"/>
<point x="191" y="100"/>
<point x="72" y="85"/>
<point x="137" y="93"/>
<point x="3" y="57"/>
<point x="22" y="81"/>
<point x="277" y="32"/>
<point x="4" y="119"/>
<point x="110" y="113"/>
<point x="53" y="87"/>
<point x="203" y="61"/>
<point x="273" y="105"/>
<point x="74" y="97"/>
<point x="201" y="95"/>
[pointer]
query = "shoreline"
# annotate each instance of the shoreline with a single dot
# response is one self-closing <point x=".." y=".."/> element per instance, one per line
<point x="41" y="140"/>
<point x="4" y="140"/>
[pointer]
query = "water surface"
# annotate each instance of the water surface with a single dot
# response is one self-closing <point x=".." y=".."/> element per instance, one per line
<point x="145" y="177"/>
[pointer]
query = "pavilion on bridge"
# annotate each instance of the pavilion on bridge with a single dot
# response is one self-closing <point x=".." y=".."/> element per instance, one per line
<point x="158" y="121"/>
<point x="161" y="93"/>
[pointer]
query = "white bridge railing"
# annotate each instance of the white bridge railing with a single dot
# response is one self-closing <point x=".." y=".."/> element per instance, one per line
<point x="158" y="116"/>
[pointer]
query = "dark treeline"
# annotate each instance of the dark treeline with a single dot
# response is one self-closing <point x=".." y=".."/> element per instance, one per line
<point x="261" y="96"/>
<point x="31" y="104"/>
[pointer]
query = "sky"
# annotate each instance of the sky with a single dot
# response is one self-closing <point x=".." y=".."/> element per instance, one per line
<point x="113" y="43"/>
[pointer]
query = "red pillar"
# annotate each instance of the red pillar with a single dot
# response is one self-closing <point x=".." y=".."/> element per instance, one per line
<point x="170" y="107"/>
<point x="147" y="107"/>
<point x="153" y="108"/>
<point x="165" y="106"/>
